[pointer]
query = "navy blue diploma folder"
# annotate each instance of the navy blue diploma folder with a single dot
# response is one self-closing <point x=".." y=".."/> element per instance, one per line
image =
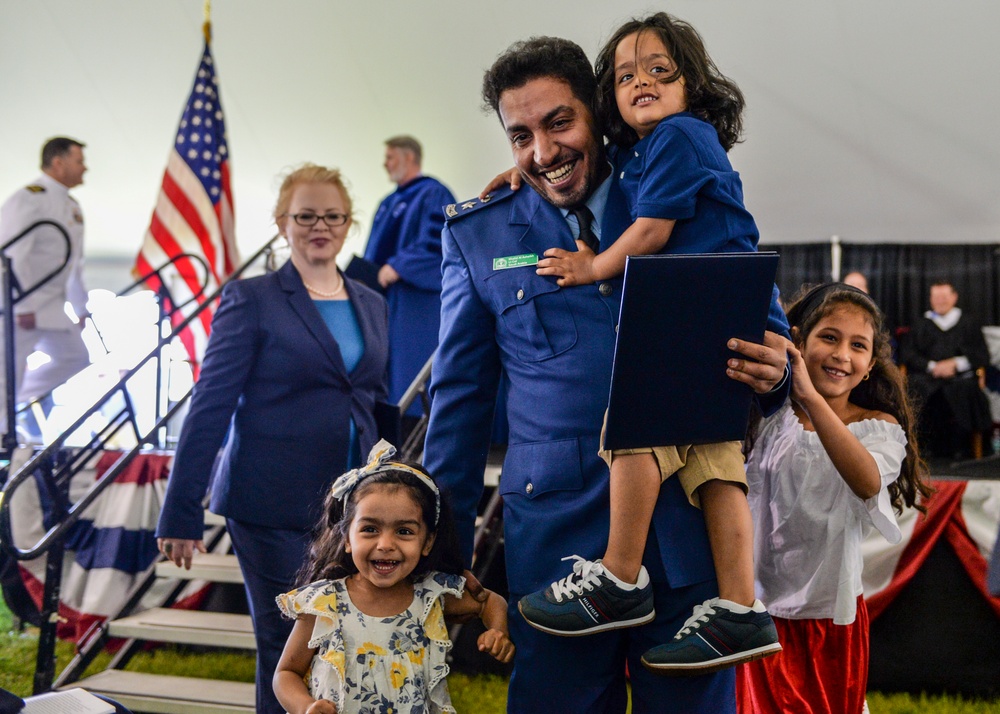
<point x="669" y="384"/>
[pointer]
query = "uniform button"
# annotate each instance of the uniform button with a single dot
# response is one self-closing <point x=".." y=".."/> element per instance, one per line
<point x="520" y="295"/>
<point x="636" y="154"/>
<point x="621" y="175"/>
<point x="605" y="289"/>
<point x="529" y="488"/>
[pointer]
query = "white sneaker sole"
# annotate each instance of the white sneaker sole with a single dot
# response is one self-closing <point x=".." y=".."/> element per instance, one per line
<point x="681" y="669"/>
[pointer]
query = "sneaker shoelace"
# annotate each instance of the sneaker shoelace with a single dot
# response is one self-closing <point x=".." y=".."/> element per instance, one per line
<point x="702" y="614"/>
<point x="585" y="577"/>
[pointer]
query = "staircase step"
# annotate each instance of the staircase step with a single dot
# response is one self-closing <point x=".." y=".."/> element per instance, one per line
<point x="192" y="627"/>
<point x="161" y="694"/>
<point x="214" y="567"/>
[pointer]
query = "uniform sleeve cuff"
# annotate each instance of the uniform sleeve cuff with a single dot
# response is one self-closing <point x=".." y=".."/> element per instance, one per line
<point x="781" y="382"/>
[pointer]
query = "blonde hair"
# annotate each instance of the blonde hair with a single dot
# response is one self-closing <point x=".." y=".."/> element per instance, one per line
<point x="310" y="173"/>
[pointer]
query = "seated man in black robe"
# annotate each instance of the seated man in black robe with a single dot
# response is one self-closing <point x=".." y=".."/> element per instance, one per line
<point x="942" y="352"/>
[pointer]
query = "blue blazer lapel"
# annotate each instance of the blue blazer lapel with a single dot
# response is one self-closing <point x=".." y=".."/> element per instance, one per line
<point x="302" y="305"/>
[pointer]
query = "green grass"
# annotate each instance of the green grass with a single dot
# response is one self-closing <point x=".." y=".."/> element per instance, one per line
<point x="483" y="694"/>
<point x="923" y="704"/>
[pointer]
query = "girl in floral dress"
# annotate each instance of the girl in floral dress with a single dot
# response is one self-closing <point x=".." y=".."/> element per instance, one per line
<point x="384" y="572"/>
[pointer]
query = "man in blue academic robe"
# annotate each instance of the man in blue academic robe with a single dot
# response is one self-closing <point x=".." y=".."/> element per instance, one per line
<point x="405" y="245"/>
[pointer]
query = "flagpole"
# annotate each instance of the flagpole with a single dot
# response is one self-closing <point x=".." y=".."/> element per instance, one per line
<point x="207" y="27"/>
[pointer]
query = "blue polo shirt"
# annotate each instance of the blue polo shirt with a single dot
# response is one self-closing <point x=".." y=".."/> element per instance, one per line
<point x="681" y="172"/>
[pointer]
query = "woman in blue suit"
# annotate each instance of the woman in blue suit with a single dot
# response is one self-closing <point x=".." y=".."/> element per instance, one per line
<point x="295" y="365"/>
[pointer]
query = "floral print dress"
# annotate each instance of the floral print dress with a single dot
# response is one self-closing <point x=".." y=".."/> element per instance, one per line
<point x="378" y="665"/>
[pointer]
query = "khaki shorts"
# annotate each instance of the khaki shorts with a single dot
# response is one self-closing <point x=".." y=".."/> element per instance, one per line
<point x="694" y="464"/>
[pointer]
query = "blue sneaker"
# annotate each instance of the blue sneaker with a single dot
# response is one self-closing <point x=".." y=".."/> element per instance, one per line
<point x="715" y="638"/>
<point x="587" y="601"/>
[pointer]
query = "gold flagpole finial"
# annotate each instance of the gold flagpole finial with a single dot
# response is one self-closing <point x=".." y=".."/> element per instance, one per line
<point x="207" y="27"/>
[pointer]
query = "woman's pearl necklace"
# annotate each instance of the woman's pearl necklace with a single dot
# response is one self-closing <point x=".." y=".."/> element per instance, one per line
<point x="322" y="294"/>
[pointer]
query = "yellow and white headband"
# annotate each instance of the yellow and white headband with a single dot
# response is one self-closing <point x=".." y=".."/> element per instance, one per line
<point x="379" y="461"/>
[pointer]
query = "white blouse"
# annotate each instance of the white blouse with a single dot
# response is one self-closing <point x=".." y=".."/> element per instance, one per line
<point x="808" y="524"/>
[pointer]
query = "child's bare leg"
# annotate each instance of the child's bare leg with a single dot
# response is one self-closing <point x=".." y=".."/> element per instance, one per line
<point x="730" y="535"/>
<point x="635" y="485"/>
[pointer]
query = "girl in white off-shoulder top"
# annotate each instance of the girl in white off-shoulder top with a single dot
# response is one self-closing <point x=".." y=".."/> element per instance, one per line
<point x="834" y="462"/>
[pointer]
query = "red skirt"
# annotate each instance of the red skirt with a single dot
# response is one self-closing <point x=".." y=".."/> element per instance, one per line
<point x="822" y="669"/>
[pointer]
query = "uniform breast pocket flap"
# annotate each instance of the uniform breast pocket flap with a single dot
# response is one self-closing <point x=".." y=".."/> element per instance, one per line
<point x="535" y="316"/>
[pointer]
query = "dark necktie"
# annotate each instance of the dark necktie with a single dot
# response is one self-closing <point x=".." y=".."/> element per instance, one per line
<point x="585" y="218"/>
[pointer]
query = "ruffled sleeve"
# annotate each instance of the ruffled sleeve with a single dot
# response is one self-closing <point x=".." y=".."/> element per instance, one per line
<point x="327" y="601"/>
<point x="429" y="591"/>
<point x="886" y="442"/>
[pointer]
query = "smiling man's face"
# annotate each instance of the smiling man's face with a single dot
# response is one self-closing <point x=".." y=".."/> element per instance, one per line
<point x="554" y="140"/>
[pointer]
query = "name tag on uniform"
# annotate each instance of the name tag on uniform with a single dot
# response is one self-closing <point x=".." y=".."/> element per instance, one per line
<point x="515" y="261"/>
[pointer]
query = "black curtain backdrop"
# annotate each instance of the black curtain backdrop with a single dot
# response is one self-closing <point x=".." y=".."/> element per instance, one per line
<point x="900" y="275"/>
<point x="800" y="264"/>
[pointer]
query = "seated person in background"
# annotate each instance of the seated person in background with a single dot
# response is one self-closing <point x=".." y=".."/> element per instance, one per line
<point x="942" y="352"/>
<point x="856" y="279"/>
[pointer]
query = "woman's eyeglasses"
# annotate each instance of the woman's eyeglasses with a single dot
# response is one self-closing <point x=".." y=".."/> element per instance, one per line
<point x="308" y="218"/>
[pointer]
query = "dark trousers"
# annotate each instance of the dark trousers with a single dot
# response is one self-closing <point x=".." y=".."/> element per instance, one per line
<point x="270" y="559"/>
<point x="952" y="410"/>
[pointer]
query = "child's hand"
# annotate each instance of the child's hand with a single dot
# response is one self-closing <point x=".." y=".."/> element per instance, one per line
<point x="802" y="386"/>
<point x="322" y="706"/>
<point x="512" y="177"/>
<point x="574" y="268"/>
<point x="497" y="644"/>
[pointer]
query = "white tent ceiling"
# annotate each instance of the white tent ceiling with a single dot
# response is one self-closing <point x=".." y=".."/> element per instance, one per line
<point x="873" y="120"/>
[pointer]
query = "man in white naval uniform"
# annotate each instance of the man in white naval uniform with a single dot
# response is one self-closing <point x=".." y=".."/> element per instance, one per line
<point x="41" y="322"/>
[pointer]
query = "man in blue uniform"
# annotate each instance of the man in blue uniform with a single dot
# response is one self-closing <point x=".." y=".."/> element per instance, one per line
<point x="405" y="244"/>
<point x="555" y="345"/>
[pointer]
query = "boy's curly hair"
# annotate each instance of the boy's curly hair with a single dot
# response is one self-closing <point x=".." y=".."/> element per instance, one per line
<point x="710" y="95"/>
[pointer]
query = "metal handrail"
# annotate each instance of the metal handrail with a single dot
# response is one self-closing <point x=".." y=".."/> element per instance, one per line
<point x="8" y="284"/>
<point x="52" y="449"/>
<point x="412" y="448"/>
<point x="65" y="235"/>
<point x="56" y="466"/>
<point x="162" y="292"/>
<point x="165" y="300"/>
<point x="140" y="281"/>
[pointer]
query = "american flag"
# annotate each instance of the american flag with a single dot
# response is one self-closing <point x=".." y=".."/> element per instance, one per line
<point x="194" y="210"/>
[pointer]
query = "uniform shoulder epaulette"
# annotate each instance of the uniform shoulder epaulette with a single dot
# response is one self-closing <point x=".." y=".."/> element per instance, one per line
<point x="454" y="211"/>
<point x="35" y="188"/>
